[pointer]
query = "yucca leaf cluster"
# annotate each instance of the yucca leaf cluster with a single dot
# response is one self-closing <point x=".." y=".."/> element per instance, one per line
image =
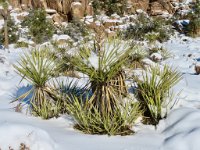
<point x="92" y="121"/>
<point x="153" y="91"/>
<point x="38" y="67"/>
<point x="106" y="77"/>
<point x="103" y="110"/>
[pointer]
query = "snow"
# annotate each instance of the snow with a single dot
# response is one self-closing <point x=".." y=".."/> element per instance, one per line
<point x="76" y="3"/>
<point x="183" y="130"/>
<point x="61" y="37"/>
<point x="16" y="134"/>
<point x="15" y="16"/>
<point x="50" y="11"/>
<point x="1" y="23"/>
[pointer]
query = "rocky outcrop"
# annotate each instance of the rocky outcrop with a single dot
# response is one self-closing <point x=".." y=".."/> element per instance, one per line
<point x="79" y="8"/>
<point x="69" y="8"/>
<point x="138" y="4"/>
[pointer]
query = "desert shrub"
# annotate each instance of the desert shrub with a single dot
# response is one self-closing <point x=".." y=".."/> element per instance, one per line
<point x="75" y="29"/>
<point x="152" y="37"/>
<point x="135" y="57"/>
<point x="39" y="27"/>
<point x="150" y="28"/>
<point x="153" y="92"/>
<point x="91" y="121"/>
<point x="21" y="44"/>
<point x="12" y="32"/>
<point x="38" y="67"/>
<point x="193" y="29"/>
<point x="106" y="75"/>
<point x="109" y="6"/>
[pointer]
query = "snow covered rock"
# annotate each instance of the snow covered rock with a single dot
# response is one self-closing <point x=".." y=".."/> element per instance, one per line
<point x="156" y="57"/>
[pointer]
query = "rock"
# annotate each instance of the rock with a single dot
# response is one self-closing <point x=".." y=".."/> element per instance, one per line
<point x="57" y="18"/>
<point x="24" y="7"/>
<point x="141" y="4"/>
<point x="62" y="41"/>
<point x="14" y="3"/>
<point x="156" y="57"/>
<point x="110" y="34"/>
<point x="21" y="17"/>
<point x="160" y="7"/>
<point x="43" y="3"/>
<point x="148" y="62"/>
<point x="89" y="10"/>
<point x="77" y="10"/>
<point x="197" y="68"/>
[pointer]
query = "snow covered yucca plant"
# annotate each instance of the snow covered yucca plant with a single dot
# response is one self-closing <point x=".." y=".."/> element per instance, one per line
<point x="92" y="121"/>
<point x="38" y="67"/>
<point x="154" y="94"/>
<point x="105" y="73"/>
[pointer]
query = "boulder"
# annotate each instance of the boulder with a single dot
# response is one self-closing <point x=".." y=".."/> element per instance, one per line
<point x="77" y="9"/>
<point x="197" y="69"/>
<point x="57" y="18"/>
<point x="161" y="7"/>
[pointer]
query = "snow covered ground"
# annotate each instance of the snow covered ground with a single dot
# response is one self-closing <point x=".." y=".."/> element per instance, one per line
<point x="180" y="131"/>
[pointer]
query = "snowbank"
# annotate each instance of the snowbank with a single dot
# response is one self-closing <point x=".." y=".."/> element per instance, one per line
<point x="12" y="135"/>
<point x="183" y="130"/>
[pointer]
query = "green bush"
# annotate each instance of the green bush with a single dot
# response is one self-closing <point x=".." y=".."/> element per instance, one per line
<point x="109" y="6"/>
<point x="91" y="121"/>
<point x="149" y="28"/>
<point x="39" y="27"/>
<point x="75" y="30"/>
<point x="154" y="94"/>
<point x="193" y="29"/>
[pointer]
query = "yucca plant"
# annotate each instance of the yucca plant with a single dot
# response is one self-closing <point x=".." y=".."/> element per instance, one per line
<point x="38" y="67"/>
<point x="92" y="121"/>
<point x="154" y="94"/>
<point x="106" y="76"/>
